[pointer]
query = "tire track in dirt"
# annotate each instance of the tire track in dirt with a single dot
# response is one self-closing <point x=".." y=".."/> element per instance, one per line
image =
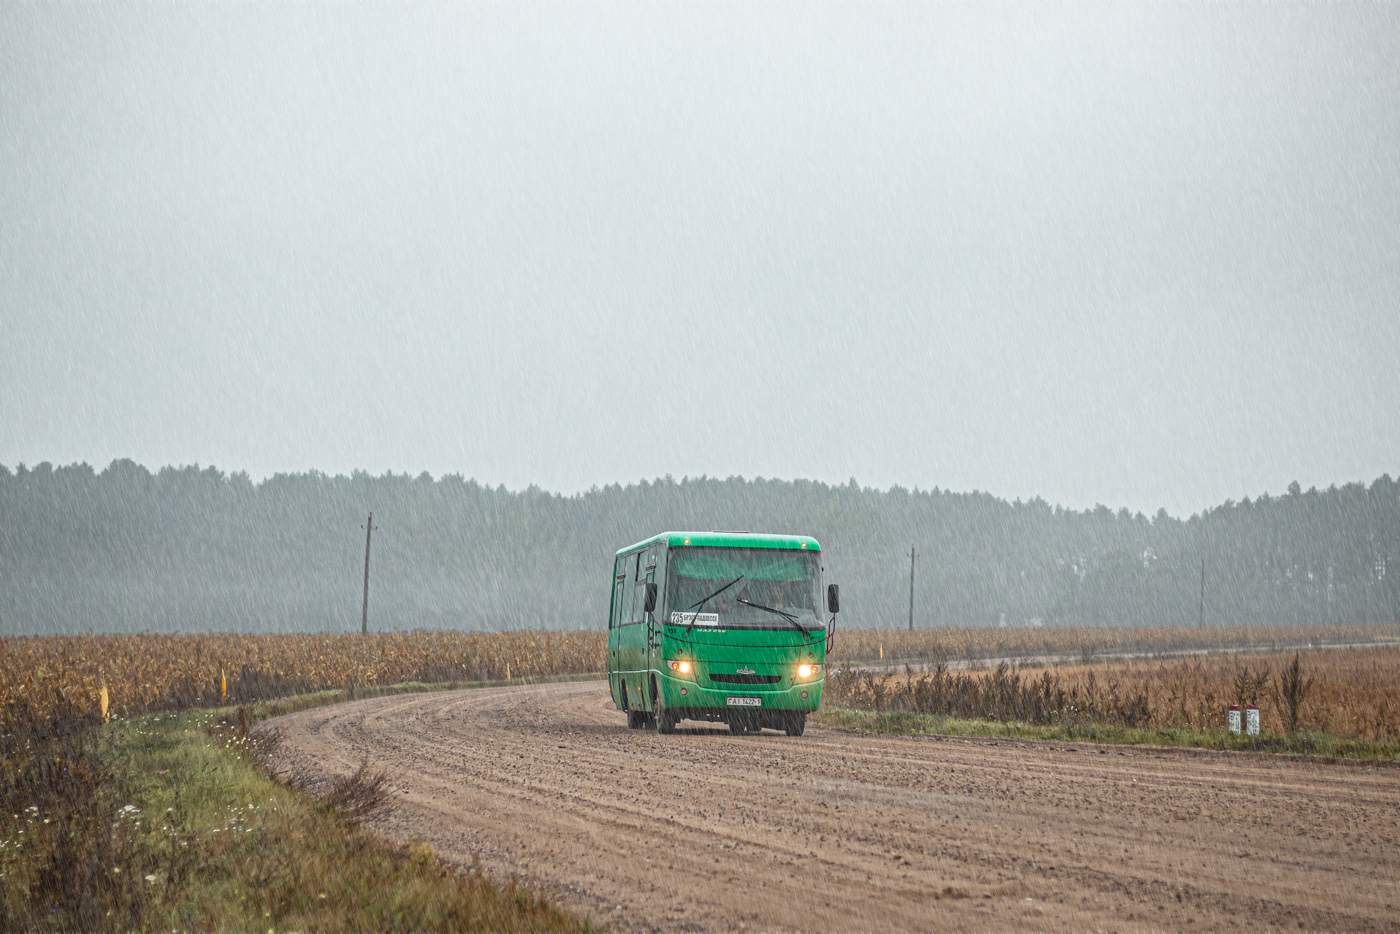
<point x="706" y="831"/>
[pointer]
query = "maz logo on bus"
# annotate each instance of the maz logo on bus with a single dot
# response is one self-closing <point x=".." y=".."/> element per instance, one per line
<point x="743" y="671"/>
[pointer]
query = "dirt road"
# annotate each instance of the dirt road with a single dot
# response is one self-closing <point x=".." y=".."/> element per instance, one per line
<point x="835" y="832"/>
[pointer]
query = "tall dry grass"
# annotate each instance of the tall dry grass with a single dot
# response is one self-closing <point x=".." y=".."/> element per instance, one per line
<point x="144" y="673"/>
<point x="61" y="827"/>
<point x="1350" y="692"/>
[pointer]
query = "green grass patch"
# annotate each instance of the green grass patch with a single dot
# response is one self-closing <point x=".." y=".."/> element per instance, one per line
<point x="896" y="723"/>
<point x="203" y="839"/>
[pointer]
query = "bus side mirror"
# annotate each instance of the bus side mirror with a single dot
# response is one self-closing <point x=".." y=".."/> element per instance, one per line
<point x="833" y="598"/>
<point x="650" y="603"/>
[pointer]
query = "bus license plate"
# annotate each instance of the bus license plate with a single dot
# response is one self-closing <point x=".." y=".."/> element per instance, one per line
<point x="744" y="701"/>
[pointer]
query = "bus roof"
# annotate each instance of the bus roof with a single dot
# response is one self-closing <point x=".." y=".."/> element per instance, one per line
<point x="726" y="540"/>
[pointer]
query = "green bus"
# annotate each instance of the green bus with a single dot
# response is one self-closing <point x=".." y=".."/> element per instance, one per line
<point x="719" y="626"/>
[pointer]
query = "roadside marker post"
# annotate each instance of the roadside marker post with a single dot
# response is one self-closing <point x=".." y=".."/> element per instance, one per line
<point x="1235" y="719"/>
<point x="1251" y="720"/>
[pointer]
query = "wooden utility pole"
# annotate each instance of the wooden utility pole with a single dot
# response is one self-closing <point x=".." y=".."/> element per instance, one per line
<point x="1203" y="592"/>
<point x="911" y="588"/>
<point x="364" y="616"/>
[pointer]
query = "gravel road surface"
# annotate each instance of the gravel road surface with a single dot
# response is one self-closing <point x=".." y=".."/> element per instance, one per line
<point x="704" y="831"/>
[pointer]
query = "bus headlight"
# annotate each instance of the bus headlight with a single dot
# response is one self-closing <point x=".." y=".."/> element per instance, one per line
<point x="683" y="667"/>
<point x="808" y="671"/>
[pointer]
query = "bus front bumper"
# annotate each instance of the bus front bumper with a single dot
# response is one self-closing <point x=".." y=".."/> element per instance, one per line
<point x="711" y="701"/>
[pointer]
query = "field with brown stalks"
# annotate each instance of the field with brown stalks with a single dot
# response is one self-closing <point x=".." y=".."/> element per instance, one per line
<point x="1085" y="642"/>
<point x="1348" y="692"/>
<point x="145" y="673"/>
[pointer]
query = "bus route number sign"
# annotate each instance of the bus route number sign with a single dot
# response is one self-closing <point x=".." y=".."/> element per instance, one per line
<point x="744" y="701"/>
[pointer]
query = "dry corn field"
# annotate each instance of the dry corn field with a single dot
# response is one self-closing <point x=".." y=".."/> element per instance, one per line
<point x="1356" y="691"/>
<point x="144" y="673"/>
<point x="867" y="645"/>
<point x="1352" y="692"/>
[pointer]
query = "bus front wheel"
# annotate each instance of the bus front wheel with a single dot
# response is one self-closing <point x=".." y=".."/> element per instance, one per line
<point x="664" y="719"/>
<point x="636" y="719"/>
<point x="795" y="724"/>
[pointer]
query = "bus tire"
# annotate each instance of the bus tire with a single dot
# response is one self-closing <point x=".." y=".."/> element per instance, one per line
<point x="661" y="716"/>
<point x="795" y="724"/>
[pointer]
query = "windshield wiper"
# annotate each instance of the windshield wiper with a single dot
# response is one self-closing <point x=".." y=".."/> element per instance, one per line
<point x="787" y="616"/>
<point x="696" y="606"/>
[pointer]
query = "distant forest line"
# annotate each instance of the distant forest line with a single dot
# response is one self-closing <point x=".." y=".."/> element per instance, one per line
<point x="192" y="550"/>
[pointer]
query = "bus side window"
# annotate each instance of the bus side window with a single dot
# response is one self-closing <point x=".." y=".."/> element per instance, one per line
<point x="642" y="591"/>
<point x="639" y="590"/>
<point x="658" y="576"/>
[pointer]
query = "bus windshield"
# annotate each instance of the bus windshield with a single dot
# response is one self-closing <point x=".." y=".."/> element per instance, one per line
<point x="743" y="588"/>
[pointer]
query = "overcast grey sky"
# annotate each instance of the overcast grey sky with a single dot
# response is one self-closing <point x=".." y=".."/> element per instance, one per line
<point x="1144" y="255"/>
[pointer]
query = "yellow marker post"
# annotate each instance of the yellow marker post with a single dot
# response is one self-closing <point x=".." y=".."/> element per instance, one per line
<point x="102" y="702"/>
<point x="223" y="686"/>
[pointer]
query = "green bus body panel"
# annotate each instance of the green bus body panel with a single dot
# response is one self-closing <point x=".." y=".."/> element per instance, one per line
<point x="743" y="652"/>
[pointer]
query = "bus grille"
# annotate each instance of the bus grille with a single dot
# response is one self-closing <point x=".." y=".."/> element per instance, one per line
<point x="746" y="679"/>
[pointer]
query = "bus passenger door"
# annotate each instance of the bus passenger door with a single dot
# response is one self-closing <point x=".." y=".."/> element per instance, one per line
<point x="629" y="637"/>
<point x="616" y="617"/>
<point x="652" y="624"/>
